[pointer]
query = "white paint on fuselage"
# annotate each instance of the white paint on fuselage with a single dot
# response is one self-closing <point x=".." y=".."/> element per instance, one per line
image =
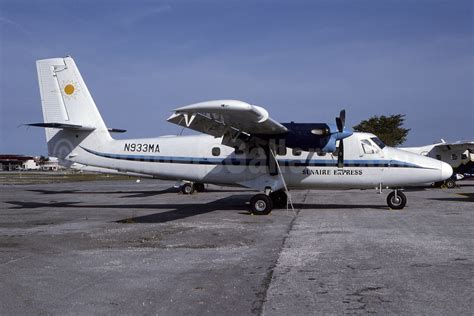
<point x="418" y="169"/>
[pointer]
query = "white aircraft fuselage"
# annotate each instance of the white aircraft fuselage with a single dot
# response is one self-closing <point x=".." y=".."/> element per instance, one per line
<point x="191" y="158"/>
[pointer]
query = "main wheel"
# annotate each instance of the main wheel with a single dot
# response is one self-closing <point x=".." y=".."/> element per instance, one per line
<point x="450" y="183"/>
<point x="279" y="198"/>
<point x="199" y="187"/>
<point x="396" y="202"/>
<point x="261" y="204"/>
<point x="187" y="188"/>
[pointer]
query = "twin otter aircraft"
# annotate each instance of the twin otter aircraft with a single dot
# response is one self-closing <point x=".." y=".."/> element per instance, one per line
<point x="243" y="146"/>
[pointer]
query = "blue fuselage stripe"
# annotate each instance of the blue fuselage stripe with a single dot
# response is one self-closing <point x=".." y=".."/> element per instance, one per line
<point x="255" y="162"/>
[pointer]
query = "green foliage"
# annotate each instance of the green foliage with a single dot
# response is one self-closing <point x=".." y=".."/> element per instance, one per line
<point x="43" y="159"/>
<point x="388" y="128"/>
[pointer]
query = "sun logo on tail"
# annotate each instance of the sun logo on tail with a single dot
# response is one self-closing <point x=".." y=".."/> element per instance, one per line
<point x="70" y="89"/>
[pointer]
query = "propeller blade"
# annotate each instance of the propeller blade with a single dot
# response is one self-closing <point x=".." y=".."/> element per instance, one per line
<point x="341" y="121"/>
<point x="340" y="154"/>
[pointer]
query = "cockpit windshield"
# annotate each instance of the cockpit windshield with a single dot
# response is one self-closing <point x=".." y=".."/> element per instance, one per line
<point x="378" y="142"/>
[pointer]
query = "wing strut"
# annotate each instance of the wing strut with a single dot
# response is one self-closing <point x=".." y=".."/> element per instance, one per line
<point x="289" y="201"/>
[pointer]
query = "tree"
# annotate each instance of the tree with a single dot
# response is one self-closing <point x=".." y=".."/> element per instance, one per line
<point x="388" y="128"/>
<point x="42" y="160"/>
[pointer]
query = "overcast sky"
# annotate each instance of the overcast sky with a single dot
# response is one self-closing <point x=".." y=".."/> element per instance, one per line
<point x="301" y="60"/>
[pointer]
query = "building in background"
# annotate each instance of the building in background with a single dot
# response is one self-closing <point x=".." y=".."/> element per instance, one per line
<point x="51" y="164"/>
<point x="24" y="163"/>
<point x="17" y="162"/>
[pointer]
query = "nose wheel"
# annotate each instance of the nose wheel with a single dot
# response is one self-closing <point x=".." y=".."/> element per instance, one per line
<point x="396" y="200"/>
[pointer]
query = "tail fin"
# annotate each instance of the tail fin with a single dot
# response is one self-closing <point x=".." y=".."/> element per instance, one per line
<point x="68" y="107"/>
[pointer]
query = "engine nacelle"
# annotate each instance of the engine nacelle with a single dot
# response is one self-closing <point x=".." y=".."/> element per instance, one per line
<point x="318" y="137"/>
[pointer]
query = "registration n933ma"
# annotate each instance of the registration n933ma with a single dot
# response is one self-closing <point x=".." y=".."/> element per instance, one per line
<point x="143" y="148"/>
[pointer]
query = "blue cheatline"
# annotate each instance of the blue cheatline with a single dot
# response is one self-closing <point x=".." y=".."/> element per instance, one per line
<point x="247" y="161"/>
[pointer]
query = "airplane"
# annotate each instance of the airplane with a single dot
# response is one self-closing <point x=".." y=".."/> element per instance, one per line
<point x="241" y="146"/>
<point x="457" y="154"/>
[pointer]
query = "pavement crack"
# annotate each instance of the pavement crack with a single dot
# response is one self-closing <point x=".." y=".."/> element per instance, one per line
<point x="257" y="305"/>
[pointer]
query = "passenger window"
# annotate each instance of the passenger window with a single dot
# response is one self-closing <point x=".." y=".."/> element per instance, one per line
<point x="438" y="157"/>
<point x="216" y="151"/>
<point x="454" y="157"/>
<point x="296" y="152"/>
<point x="463" y="156"/>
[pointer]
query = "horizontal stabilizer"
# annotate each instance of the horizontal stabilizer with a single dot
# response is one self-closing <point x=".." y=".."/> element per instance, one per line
<point x="116" y="130"/>
<point x="62" y="126"/>
<point x="74" y="127"/>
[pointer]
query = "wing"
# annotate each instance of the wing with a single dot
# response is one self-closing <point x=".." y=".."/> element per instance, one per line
<point x="226" y="117"/>
<point x="460" y="145"/>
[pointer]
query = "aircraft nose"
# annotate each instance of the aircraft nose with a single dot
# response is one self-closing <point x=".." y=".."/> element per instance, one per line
<point x="446" y="171"/>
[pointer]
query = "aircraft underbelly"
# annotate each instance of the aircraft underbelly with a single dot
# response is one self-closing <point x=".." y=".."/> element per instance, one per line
<point x="405" y="176"/>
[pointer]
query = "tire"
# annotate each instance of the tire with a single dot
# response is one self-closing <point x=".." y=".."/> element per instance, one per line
<point x="396" y="203"/>
<point x="261" y="204"/>
<point x="187" y="188"/>
<point x="450" y="183"/>
<point x="279" y="199"/>
<point x="438" y="184"/>
<point x="199" y="187"/>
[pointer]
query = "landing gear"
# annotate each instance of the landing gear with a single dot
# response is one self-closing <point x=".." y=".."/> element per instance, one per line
<point x="261" y="204"/>
<point x="187" y="188"/>
<point x="450" y="183"/>
<point x="279" y="199"/>
<point x="396" y="200"/>
<point x="199" y="187"/>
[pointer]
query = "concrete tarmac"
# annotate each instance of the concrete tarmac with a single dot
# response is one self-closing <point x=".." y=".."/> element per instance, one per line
<point x="120" y="247"/>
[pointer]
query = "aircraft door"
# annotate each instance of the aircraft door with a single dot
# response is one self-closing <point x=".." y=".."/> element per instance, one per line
<point x="373" y="162"/>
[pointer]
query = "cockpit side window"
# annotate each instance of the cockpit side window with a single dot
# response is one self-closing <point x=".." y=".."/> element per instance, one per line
<point x="378" y="142"/>
<point x="367" y="146"/>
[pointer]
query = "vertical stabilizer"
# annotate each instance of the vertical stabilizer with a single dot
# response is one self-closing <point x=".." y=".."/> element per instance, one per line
<point x="66" y="100"/>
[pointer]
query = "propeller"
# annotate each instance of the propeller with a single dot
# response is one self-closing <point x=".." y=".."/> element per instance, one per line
<point x="341" y="122"/>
